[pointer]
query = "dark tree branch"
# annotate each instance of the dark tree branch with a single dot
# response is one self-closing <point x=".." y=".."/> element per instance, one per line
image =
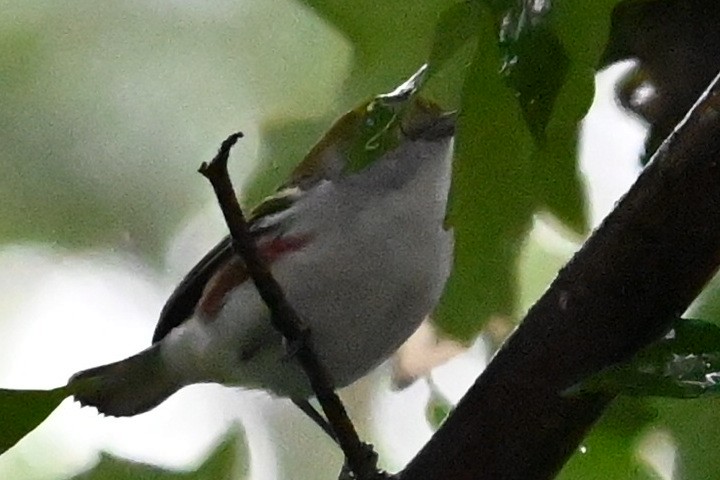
<point x="360" y="458"/>
<point x="643" y="267"/>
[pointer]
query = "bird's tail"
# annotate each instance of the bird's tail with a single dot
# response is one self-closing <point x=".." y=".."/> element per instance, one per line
<point x="125" y="388"/>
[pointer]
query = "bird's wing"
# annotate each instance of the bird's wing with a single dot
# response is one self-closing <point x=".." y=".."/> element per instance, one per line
<point x="183" y="301"/>
<point x="325" y="161"/>
<point x="181" y="304"/>
<point x="316" y="166"/>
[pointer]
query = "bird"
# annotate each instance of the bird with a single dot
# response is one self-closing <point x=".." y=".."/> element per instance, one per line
<point x="355" y="237"/>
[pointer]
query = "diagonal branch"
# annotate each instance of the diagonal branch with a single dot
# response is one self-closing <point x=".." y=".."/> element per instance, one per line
<point x="284" y="318"/>
<point x="646" y="263"/>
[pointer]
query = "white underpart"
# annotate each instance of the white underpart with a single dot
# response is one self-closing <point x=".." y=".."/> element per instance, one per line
<point x="376" y="264"/>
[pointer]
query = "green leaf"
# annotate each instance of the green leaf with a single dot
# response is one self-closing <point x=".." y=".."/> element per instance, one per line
<point x="535" y="64"/>
<point x="610" y="450"/>
<point x="554" y="81"/>
<point x="582" y="33"/>
<point x="228" y="461"/>
<point x="490" y="206"/>
<point x="455" y="28"/>
<point x="23" y="410"/>
<point x="550" y="53"/>
<point x="438" y="406"/>
<point x="684" y="364"/>
<point x="707" y="304"/>
<point x="693" y="425"/>
<point x="452" y="50"/>
<point x="391" y="39"/>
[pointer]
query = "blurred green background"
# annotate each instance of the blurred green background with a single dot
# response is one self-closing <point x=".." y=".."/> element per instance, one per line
<point x="106" y="111"/>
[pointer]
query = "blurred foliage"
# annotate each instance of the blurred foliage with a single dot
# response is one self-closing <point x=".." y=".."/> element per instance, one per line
<point x="438" y="406"/>
<point x="610" y="451"/>
<point x="224" y="463"/>
<point x="107" y="112"/>
<point x="693" y="425"/>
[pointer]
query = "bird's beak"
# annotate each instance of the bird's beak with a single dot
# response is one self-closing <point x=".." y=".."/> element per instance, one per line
<point x="426" y="121"/>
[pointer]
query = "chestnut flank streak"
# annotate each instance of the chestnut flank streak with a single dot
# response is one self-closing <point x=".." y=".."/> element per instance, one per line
<point x="234" y="273"/>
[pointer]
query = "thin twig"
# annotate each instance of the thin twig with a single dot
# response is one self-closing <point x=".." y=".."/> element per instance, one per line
<point x="360" y="458"/>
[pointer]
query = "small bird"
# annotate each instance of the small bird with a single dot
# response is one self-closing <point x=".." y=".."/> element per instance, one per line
<point x="355" y="238"/>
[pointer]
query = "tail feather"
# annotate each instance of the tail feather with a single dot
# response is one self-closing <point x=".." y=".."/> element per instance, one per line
<point x="125" y="388"/>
